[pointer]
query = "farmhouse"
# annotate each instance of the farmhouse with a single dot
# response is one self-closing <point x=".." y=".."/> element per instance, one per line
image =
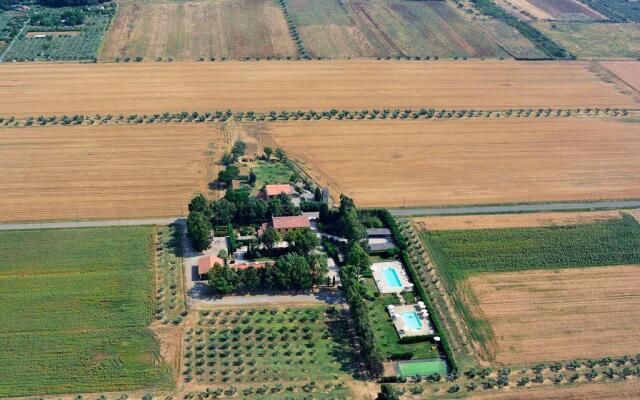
<point x="271" y="191"/>
<point x="286" y="224"/>
<point x="206" y="263"/>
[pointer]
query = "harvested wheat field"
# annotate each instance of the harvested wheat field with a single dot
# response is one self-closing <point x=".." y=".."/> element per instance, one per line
<point x="627" y="71"/>
<point x="109" y="171"/>
<point x="187" y="30"/>
<point x="499" y="221"/>
<point x="566" y="10"/>
<point x="34" y="89"/>
<point x="468" y="161"/>
<point x="628" y="390"/>
<point x="545" y="315"/>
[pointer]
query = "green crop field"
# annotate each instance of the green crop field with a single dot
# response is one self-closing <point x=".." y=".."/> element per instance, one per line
<point x="268" y="345"/>
<point x="617" y="10"/>
<point x="459" y="253"/>
<point x="74" y="308"/>
<point x="595" y="40"/>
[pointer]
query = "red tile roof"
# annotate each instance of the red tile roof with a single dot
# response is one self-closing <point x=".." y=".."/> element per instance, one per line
<point x="256" y="265"/>
<point x="299" y="221"/>
<point x="206" y="263"/>
<point x="274" y="190"/>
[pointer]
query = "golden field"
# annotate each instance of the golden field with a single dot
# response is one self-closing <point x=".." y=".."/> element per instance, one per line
<point x="149" y="87"/>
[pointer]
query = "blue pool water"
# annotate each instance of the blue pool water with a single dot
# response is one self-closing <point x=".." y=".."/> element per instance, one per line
<point x="412" y="320"/>
<point x="392" y="278"/>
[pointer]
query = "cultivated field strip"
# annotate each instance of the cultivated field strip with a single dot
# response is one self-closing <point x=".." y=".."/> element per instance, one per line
<point x="549" y="315"/>
<point x="470" y="161"/>
<point x="106" y="171"/>
<point x="147" y="88"/>
<point x="499" y="221"/>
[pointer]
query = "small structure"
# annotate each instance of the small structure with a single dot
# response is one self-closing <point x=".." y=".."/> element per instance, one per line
<point x="247" y="265"/>
<point x="390" y="277"/>
<point x="286" y="224"/>
<point x="410" y="320"/>
<point x="206" y="263"/>
<point x="378" y="233"/>
<point x="271" y="191"/>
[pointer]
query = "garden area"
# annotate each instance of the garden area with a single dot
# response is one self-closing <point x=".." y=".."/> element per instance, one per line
<point x="74" y="313"/>
<point x="385" y="333"/>
<point x="262" y="345"/>
<point x="170" y="291"/>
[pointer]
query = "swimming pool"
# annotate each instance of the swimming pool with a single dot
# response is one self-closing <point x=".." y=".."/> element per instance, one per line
<point x="391" y="278"/>
<point x="411" y="320"/>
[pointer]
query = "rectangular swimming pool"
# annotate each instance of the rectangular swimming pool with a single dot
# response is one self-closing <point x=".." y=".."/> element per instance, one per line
<point x="391" y="278"/>
<point x="411" y="320"/>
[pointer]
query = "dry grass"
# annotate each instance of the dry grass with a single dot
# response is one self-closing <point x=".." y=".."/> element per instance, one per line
<point x="593" y="391"/>
<point x="546" y="315"/>
<point x="108" y="171"/>
<point x="627" y="71"/>
<point x="34" y="89"/>
<point x="499" y="221"/>
<point x="468" y="161"/>
<point x="187" y="30"/>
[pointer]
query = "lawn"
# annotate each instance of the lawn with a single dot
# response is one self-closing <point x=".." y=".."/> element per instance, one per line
<point x="595" y="40"/>
<point x="268" y="345"/>
<point x="270" y="173"/>
<point x="74" y="310"/>
<point x="422" y="368"/>
<point x="385" y="332"/>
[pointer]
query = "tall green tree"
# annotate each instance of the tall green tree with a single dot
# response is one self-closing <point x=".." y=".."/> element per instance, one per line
<point x="302" y="241"/>
<point x="270" y="238"/>
<point x="223" y="279"/>
<point x="268" y="151"/>
<point x="222" y="212"/>
<point x="199" y="230"/>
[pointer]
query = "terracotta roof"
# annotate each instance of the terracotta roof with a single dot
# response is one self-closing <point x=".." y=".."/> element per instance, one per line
<point x="299" y="221"/>
<point x="207" y="262"/>
<point x="274" y="190"/>
<point x="256" y="265"/>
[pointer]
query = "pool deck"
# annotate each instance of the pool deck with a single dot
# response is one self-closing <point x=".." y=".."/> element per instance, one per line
<point x="381" y="282"/>
<point x="403" y="330"/>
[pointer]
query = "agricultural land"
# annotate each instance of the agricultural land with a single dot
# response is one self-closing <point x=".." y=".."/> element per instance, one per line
<point x="189" y="30"/>
<point x="110" y="171"/>
<point x="548" y="315"/>
<point x="497" y="221"/>
<point x="50" y="37"/>
<point x="148" y="88"/>
<point x="340" y="29"/>
<point x="617" y="10"/>
<point x="468" y="259"/>
<point x="75" y="310"/>
<point x="564" y="10"/>
<point x="627" y="71"/>
<point x="595" y="40"/>
<point x="463" y="161"/>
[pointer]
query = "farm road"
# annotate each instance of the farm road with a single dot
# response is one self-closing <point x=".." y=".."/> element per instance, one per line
<point x="406" y="212"/>
<point x="90" y="224"/>
<point x="399" y="212"/>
